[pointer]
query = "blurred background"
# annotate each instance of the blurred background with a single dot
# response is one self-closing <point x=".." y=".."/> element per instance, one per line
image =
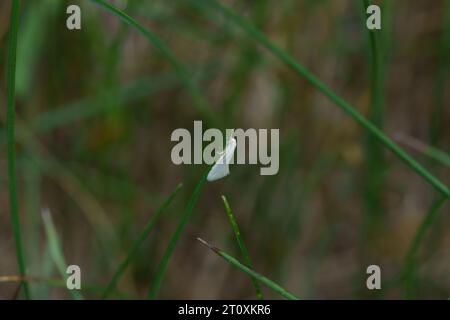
<point x="96" y="108"/>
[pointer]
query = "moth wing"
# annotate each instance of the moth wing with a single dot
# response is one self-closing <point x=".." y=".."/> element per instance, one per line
<point x="229" y="151"/>
<point x="221" y="168"/>
<point x="218" y="171"/>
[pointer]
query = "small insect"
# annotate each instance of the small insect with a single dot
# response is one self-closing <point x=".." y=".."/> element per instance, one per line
<point x="220" y="169"/>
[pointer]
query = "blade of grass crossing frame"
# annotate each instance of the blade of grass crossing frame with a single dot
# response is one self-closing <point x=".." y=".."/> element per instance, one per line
<point x="137" y="243"/>
<point x="160" y="272"/>
<point x="242" y="246"/>
<point x="331" y="95"/>
<point x="234" y="262"/>
<point x="11" y="141"/>
<point x="56" y="250"/>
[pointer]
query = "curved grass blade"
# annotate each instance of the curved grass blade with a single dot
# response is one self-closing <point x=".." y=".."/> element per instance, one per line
<point x="199" y="100"/>
<point x="11" y="140"/>
<point x="410" y="260"/>
<point x="331" y="95"/>
<point x="242" y="246"/>
<point x="56" y="250"/>
<point x="137" y="243"/>
<point x="154" y="289"/>
<point x="269" y="283"/>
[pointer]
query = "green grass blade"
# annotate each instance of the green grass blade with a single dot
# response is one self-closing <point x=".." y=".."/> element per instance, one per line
<point x="56" y="250"/>
<point x="233" y="261"/>
<point x="331" y="95"/>
<point x="242" y="246"/>
<point x="138" y="242"/>
<point x="375" y="73"/>
<point x="11" y="141"/>
<point x="199" y="100"/>
<point x="374" y="159"/>
<point x="155" y="287"/>
<point x="410" y="260"/>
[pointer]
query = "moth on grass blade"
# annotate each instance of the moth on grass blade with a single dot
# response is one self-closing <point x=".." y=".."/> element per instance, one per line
<point x="221" y="167"/>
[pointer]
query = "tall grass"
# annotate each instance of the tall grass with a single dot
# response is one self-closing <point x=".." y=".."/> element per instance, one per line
<point x="11" y="140"/>
<point x="137" y="243"/>
<point x="330" y="94"/>
<point x="234" y="262"/>
<point x="237" y="67"/>
<point x="372" y="126"/>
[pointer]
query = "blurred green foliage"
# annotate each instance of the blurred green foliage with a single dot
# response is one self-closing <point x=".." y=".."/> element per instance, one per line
<point x="95" y="109"/>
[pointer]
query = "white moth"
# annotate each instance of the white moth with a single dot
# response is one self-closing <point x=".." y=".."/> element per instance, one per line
<point x="220" y="169"/>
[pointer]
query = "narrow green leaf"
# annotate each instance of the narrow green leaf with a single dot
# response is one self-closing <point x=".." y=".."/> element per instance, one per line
<point x="234" y="262"/>
<point x="242" y="246"/>
<point x="374" y="157"/>
<point x="11" y="140"/>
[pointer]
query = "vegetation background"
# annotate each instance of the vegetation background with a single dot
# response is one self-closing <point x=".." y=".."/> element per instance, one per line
<point x="95" y="109"/>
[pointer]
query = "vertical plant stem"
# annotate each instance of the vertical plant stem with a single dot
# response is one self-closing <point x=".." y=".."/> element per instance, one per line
<point x="10" y="133"/>
<point x="374" y="151"/>
<point x="242" y="246"/>
<point x="160" y="272"/>
<point x="137" y="243"/>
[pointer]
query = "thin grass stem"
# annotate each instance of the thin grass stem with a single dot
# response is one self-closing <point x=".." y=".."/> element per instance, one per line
<point x="242" y="246"/>
<point x="11" y="141"/>
<point x="373" y="150"/>
<point x="161" y="270"/>
<point x="234" y="262"/>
